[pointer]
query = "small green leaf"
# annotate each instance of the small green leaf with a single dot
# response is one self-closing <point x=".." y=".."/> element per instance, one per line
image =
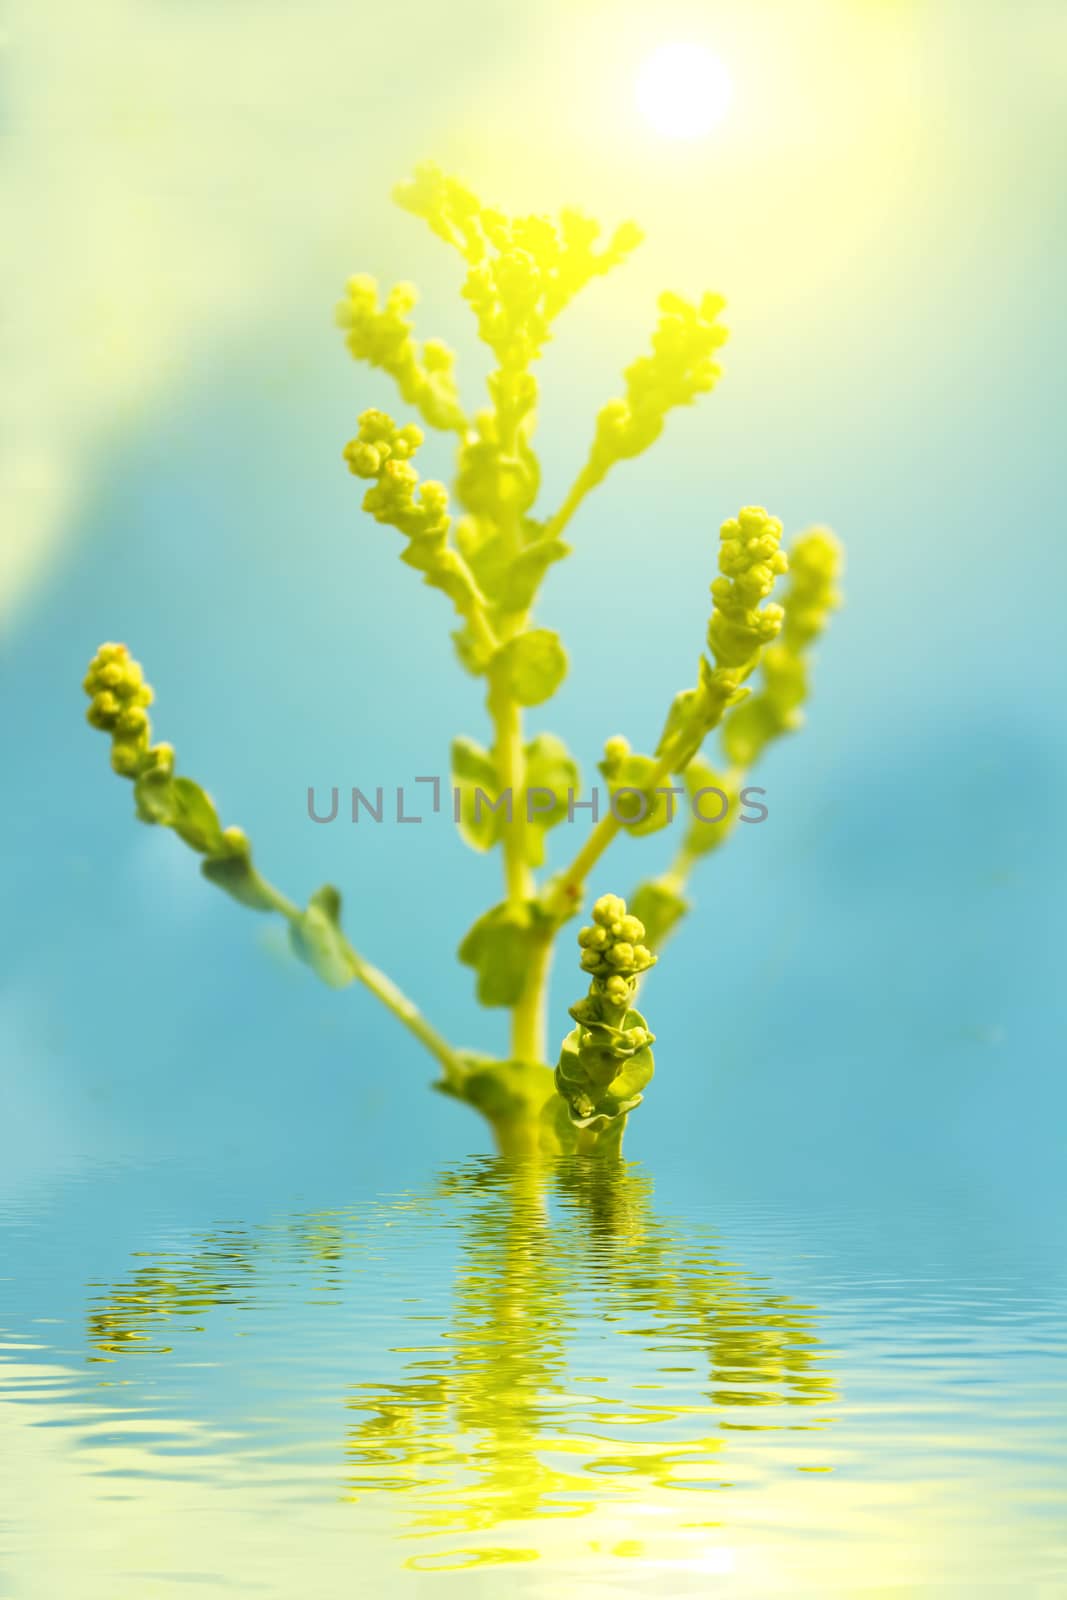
<point x="236" y="876"/>
<point x="181" y="804"/>
<point x="549" y="767"/>
<point x="154" y="798"/>
<point x="471" y="650"/>
<point x="473" y="770"/>
<point x="535" y="664"/>
<point x="195" y="818"/>
<point x="660" y="907"/>
<point x="704" y="834"/>
<point x="444" y="569"/>
<point x="523" y="576"/>
<point x="640" y="809"/>
<point x="500" y="946"/>
<point x="317" y="939"/>
<point x="594" y="1104"/>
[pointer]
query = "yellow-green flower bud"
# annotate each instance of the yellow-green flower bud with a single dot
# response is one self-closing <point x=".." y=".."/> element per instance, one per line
<point x="609" y="909"/>
<point x="103" y="712"/>
<point x="814" y="566"/>
<point x="523" y="271"/>
<point x="750" y="558"/>
<point x="126" y="758"/>
<point x="606" y="1061"/>
<point x="616" y="749"/>
<point x="680" y="367"/>
<point x="132" y="722"/>
<point x="364" y="460"/>
<point x="118" y="695"/>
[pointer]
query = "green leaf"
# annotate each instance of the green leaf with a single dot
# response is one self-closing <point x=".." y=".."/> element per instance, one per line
<point x="535" y="664"/>
<point x="474" y="657"/>
<point x="644" y="811"/>
<point x="473" y="769"/>
<point x="523" y="576"/>
<point x="660" y="908"/>
<point x="592" y="1103"/>
<point x="317" y="939"/>
<point x="236" y="876"/>
<point x="154" y="798"/>
<point x="500" y="947"/>
<point x="704" y="835"/>
<point x="499" y="1089"/>
<point x="443" y="568"/>
<point x="196" y="820"/>
<point x="181" y="804"/>
<point x="549" y="766"/>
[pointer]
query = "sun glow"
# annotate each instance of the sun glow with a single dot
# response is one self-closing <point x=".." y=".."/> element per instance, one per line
<point x="683" y="91"/>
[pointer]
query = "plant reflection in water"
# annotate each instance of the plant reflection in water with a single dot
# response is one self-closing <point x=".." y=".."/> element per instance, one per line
<point x="591" y="1349"/>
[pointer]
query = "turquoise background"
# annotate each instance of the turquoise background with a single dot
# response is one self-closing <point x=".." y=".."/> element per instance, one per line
<point x="868" y="996"/>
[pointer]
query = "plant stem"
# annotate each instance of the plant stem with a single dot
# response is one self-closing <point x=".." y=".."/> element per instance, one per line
<point x="384" y="989"/>
<point x="483" y="631"/>
<point x="511" y="766"/>
<point x="567" y="895"/>
<point x="578" y="491"/>
<point x="528" y="1018"/>
<point x="406" y="1011"/>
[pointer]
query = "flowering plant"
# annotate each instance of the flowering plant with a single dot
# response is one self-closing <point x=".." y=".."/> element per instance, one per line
<point x="489" y="556"/>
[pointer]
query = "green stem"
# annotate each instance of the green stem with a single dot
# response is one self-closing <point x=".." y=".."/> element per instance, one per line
<point x="567" y="894"/>
<point x="527" y="1019"/>
<point x="483" y="631"/>
<point x="406" y="1011"/>
<point x="511" y="765"/>
<point x="578" y="491"/>
<point x="528" y="1037"/>
<point x="570" y="887"/>
<point x="384" y="989"/>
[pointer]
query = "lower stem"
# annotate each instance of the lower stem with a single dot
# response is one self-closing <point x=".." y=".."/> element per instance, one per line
<point x="406" y="1011"/>
<point x="384" y="989"/>
<point x="528" y="1018"/>
<point x="511" y="766"/>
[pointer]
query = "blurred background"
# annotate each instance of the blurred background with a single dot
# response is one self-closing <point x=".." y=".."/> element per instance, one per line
<point x="868" y="995"/>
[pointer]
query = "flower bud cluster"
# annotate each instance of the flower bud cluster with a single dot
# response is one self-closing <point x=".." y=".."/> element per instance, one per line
<point x="118" y="697"/>
<point x="750" y="558"/>
<point x="382" y="336"/>
<point x="680" y="367"/>
<point x="607" y="1059"/>
<point x="612" y="949"/>
<point x="815" y="562"/>
<point x="382" y="451"/>
<point x="523" y="271"/>
<point x="379" y="440"/>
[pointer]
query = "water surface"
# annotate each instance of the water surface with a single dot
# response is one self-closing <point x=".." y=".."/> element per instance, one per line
<point x="554" y="1381"/>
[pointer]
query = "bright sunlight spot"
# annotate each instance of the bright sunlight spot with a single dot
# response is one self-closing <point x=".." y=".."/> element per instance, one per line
<point x="683" y="91"/>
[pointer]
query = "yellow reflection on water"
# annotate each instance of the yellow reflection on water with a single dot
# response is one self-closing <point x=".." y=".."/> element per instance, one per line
<point x="592" y="1357"/>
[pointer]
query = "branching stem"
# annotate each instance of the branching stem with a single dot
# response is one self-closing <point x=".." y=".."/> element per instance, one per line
<point x="383" y="988"/>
